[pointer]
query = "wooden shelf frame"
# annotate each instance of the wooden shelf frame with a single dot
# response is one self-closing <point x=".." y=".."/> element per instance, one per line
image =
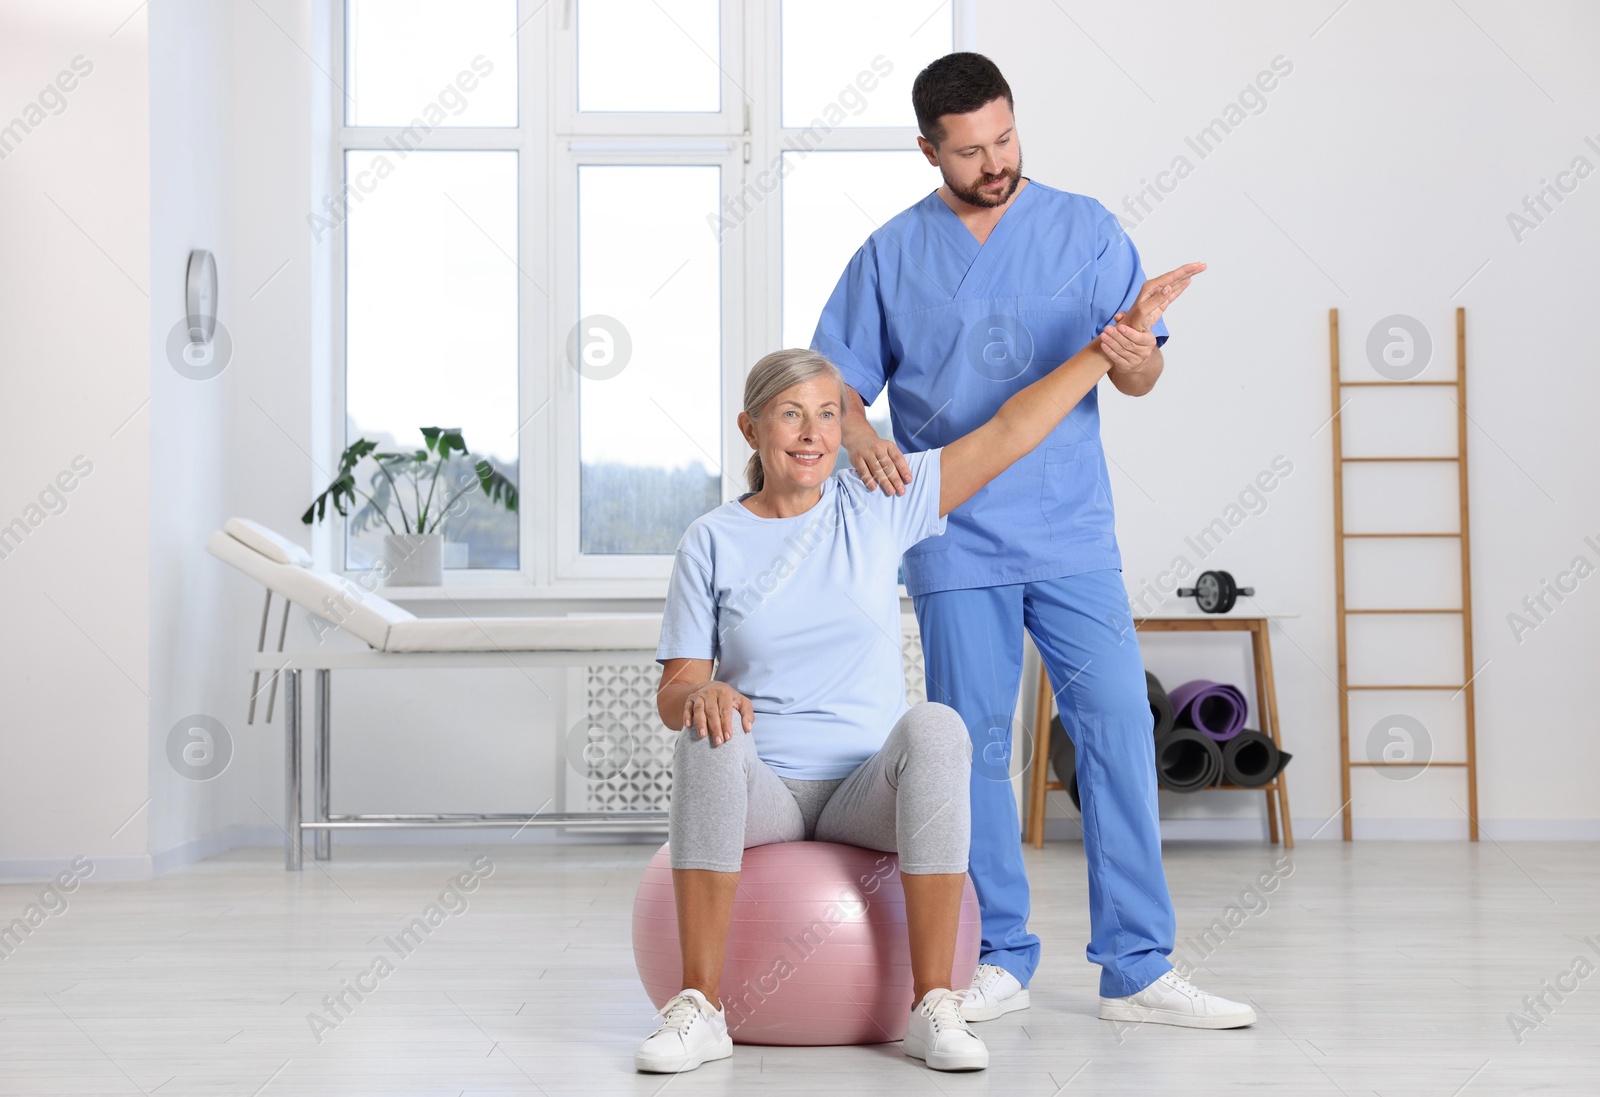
<point x="1342" y="612"/>
<point x="1276" y="790"/>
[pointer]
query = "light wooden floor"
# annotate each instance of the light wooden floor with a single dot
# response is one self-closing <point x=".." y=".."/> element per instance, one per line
<point x="1384" y="967"/>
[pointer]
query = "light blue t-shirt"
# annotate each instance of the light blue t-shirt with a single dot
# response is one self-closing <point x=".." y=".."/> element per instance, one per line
<point x="802" y="615"/>
<point x="954" y="328"/>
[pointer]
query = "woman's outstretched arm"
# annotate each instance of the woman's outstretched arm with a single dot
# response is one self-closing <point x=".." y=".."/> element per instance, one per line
<point x="1028" y="417"/>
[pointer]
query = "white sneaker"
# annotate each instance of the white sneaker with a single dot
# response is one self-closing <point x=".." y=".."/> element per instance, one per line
<point x="994" y="993"/>
<point x="692" y="1033"/>
<point x="939" y="1036"/>
<point x="1173" y="1000"/>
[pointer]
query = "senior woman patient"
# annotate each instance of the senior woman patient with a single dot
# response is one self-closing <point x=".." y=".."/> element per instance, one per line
<point x="781" y="663"/>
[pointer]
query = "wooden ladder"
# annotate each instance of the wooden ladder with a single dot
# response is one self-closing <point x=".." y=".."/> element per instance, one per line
<point x="1462" y="534"/>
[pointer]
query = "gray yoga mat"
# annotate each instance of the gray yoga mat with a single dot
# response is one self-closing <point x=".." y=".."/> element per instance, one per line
<point x="1187" y="760"/>
<point x="1252" y="759"/>
<point x="1160" y="705"/>
<point x="1064" y="760"/>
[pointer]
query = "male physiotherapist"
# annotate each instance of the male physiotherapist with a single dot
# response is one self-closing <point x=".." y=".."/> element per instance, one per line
<point x="956" y="303"/>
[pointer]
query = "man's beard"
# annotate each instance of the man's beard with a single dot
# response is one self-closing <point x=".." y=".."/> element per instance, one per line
<point x="976" y="196"/>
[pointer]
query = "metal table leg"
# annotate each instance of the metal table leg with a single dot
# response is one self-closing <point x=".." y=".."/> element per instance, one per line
<point x="291" y="734"/>
<point x="261" y="645"/>
<point x="323" y="848"/>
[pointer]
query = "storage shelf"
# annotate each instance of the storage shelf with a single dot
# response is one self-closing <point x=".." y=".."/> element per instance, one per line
<point x="1040" y="783"/>
<point x="1056" y="786"/>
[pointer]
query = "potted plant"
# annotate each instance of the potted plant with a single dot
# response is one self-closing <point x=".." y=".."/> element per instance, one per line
<point x="413" y="554"/>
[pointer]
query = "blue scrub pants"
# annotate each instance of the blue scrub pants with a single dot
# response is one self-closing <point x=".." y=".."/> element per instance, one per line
<point x="1082" y="625"/>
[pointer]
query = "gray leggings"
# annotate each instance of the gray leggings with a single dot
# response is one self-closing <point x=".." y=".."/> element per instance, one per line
<point x="911" y="798"/>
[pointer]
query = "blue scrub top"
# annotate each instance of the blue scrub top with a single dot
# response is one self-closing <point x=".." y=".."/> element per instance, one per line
<point x="954" y="328"/>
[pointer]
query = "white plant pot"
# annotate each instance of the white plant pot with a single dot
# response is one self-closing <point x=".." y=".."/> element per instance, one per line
<point x="413" y="559"/>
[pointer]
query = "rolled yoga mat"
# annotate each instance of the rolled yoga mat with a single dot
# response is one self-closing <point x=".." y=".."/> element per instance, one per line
<point x="1216" y="709"/>
<point x="1252" y="759"/>
<point x="1187" y="760"/>
<point x="1064" y="760"/>
<point x="1160" y="705"/>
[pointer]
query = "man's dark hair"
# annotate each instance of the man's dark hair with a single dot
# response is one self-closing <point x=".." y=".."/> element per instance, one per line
<point x="957" y="83"/>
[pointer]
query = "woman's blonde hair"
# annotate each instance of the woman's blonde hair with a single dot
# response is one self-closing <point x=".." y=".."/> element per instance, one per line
<point x="780" y="370"/>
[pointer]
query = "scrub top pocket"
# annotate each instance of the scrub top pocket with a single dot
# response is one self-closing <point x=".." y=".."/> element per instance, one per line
<point x="1073" y="501"/>
<point x="1060" y="327"/>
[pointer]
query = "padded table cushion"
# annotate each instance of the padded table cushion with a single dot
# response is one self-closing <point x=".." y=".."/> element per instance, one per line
<point x="332" y="597"/>
<point x="269" y="543"/>
<point x="387" y="627"/>
<point x="623" y="632"/>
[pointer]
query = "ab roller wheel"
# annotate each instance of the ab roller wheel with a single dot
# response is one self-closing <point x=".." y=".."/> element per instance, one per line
<point x="1215" y="591"/>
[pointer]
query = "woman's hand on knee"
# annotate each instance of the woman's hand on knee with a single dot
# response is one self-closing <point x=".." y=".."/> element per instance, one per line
<point x="718" y="710"/>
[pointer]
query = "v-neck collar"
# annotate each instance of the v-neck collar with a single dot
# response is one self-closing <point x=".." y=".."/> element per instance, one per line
<point x="953" y="220"/>
<point x="985" y="258"/>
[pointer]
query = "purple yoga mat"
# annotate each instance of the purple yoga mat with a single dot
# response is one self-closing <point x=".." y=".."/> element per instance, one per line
<point x="1217" y="710"/>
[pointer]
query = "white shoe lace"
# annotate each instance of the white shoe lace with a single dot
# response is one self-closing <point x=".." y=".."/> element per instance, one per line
<point x="1183" y="986"/>
<point x="945" y="1012"/>
<point x="679" y="1014"/>
<point x="983" y="984"/>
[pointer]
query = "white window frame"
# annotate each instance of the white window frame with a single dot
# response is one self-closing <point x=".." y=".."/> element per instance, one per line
<point x="726" y="122"/>
<point x="724" y="154"/>
<point x="769" y="138"/>
<point x="529" y="140"/>
<point x="552" y="139"/>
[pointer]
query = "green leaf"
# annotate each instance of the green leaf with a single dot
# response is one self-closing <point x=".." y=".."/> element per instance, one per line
<point x="450" y="441"/>
<point x="340" y="493"/>
<point x="354" y="452"/>
<point x="497" y="487"/>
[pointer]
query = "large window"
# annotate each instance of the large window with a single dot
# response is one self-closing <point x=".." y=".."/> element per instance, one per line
<point x="429" y="210"/>
<point x="648" y="344"/>
<point x="569" y="230"/>
<point x="431" y="335"/>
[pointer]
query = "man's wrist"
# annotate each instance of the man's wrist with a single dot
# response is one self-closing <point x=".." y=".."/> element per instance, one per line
<point x="1114" y="368"/>
<point x="859" y="438"/>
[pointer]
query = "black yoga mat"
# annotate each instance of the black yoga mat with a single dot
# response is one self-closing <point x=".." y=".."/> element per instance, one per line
<point x="1064" y="759"/>
<point x="1160" y="704"/>
<point x="1252" y="759"/>
<point x="1187" y="760"/>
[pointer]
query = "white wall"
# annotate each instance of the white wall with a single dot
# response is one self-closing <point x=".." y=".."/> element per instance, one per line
<point x="75" y="308"/>
<point x="194" y="644"/>
<point x="1377" y="180"/>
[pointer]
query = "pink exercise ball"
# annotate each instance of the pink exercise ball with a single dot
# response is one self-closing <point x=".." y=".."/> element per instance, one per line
<point x="817" y="950"/>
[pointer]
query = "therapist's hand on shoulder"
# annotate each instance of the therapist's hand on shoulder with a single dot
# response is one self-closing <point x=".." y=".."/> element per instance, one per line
<point x="878" y="461"/>
<point x="718" y="710"/>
